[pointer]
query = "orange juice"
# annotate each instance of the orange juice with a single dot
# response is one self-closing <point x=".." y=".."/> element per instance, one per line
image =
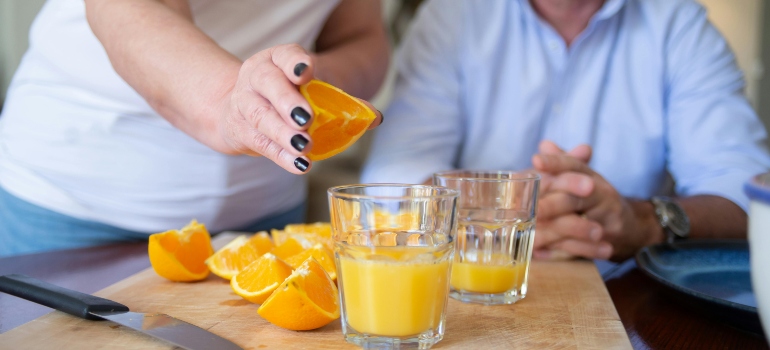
<point x="482" y="278"/>
<point x="394" y="291"/>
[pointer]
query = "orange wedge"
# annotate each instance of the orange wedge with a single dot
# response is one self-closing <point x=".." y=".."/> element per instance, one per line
<point x="179" y="255"/>
<point x="319" y="232"/>
<point x="321" y="254"/>
<point x="321" y="229"/>
<point x="238" y="254"/>
<point x="305" y="300"/>
<point x="292" y="245"/>
<point x="340" y="119"/>
<point x="257" y="281"/>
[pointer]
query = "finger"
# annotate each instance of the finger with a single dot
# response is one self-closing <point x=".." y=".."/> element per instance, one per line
<point x="269" y="81"/>
<point x="572" y="227"/>
<point x="582" y="152"/>
<point x="262" y="116"/>
<point x="554" y="204"/>
<point x="578" y="184"/>
<point x="577" y="227"/>
<point x="549" y="147"/>
<point x="549" y="254"/>
<point x="378" y="120"/>
<point x="590" y="250"/>
<point x="295" y="62"/>
<point x="556" y="164"/>
<point x="545" y="181"/>
<point x="279" y="155"/>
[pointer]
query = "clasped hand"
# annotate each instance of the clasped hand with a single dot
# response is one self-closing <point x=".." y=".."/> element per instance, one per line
<point x="580" y="214"/>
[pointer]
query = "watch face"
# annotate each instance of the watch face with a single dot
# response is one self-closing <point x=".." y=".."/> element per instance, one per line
<point x="676" y="219"/>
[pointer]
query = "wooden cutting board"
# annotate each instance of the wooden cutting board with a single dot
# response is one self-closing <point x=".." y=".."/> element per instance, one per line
<point x="567" y="307"/>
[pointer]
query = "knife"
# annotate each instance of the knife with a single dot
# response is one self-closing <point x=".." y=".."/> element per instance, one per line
<point x="162" y="326"/>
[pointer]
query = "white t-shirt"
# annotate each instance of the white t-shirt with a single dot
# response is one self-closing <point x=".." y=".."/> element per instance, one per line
<point x="77" y="139"/>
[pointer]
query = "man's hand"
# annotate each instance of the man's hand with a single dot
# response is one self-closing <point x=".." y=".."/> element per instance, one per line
<point x="580" y="213"/>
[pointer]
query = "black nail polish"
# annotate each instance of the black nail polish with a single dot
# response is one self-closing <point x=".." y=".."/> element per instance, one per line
<point x="301" y="164"/>
<point x="298" y="142"/>
<point x="299" y="68"/>
<point x="382" y="117"/>
<point x="300" y="116"/>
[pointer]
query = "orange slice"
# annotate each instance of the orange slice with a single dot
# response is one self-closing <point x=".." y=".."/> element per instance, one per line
<point x="179" y="255"/>
<point x="238" y="254"/>
<point x="321" y="229"/>
<point x="257" y="281"/>
<point x="320" y="254"/>
<point x="305" y="300"/>
<point x="340" y="119"/>
<point x="279" y="236"/>
<point x="319" y="232"/>
<point x="292" y="245"/>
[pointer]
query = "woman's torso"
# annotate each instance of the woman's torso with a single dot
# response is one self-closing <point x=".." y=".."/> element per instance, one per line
<point x="75" y="138"/>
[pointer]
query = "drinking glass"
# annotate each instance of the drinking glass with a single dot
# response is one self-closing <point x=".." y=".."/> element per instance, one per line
<point x="496" y="229"/>
<point x="393" y="246"/>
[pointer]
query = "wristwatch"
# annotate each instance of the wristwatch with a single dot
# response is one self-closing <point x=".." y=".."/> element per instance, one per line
<point x="672" y="218"/>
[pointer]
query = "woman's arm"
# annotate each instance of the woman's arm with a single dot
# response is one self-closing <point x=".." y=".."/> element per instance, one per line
<point x="234" y="107"/>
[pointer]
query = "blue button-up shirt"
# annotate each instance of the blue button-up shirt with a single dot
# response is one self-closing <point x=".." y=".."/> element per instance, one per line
<point x="649" y="84"/>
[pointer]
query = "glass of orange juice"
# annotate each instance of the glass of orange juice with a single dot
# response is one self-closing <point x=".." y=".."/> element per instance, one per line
<point x="496" y="229"/>
<point x="394" y="246"/>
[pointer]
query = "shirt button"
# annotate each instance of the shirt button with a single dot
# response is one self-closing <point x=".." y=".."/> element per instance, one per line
<point x="556" y="108"/>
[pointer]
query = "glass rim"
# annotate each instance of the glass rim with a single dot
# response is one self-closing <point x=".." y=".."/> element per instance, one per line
<point x="517" y="176"/>
<point x="444" y="192"/>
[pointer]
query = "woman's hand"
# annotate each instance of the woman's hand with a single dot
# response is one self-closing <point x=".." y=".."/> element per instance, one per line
<point x="265" y="114"/>
<point x="234" y="107"/>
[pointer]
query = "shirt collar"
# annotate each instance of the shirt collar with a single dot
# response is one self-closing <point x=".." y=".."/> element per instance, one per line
<point x="609" y="9"/>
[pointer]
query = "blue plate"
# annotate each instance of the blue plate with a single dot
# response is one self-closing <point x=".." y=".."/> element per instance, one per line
<point x="712" y="276"/>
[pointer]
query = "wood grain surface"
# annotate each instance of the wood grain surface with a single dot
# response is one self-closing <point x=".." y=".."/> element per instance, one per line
<point x="567" y="307"/>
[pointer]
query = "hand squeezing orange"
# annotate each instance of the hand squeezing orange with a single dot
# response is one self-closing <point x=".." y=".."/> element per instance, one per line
<point x="340" y="119"/>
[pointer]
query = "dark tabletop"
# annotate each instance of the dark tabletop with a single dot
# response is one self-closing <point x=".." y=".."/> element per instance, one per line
<point x="653" y="318"/>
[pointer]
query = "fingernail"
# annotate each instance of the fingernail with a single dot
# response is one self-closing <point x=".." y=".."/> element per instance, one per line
<point x="299" y="68"/>
<point x="298" y="142"/>
<point x="382" y="117"/>
<point x="300" y="116"/>
<point x="596" y="234"/>
<point x="301" y="164"/>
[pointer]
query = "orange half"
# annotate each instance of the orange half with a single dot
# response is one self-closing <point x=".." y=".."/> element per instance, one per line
<point x="340" y="119"/>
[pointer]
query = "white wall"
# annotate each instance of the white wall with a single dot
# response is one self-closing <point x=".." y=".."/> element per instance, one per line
<point x="740" y="21"/>
<point x="15" y="18"/>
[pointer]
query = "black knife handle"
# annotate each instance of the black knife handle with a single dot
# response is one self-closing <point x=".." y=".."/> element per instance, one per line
<point x="62" y="299"/>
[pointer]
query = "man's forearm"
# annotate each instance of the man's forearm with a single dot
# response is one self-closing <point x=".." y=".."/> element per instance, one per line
<point x="714" y="217"/>
<point x="710" y="217"/>
<point x="155" y="47"/>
